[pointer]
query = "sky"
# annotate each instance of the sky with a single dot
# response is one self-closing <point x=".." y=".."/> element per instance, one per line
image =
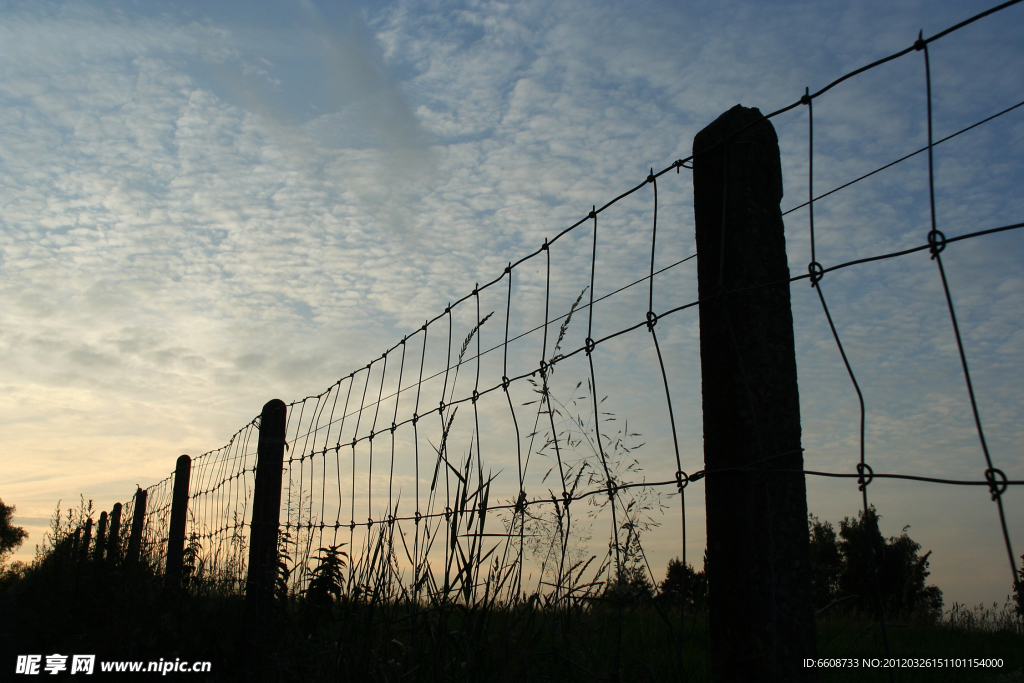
<point x="206" y="207"/>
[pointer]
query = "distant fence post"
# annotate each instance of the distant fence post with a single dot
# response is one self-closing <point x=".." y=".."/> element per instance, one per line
<point x="759" y="581"/>
<point x="138" y="522"/>
<point x="114" y="535"/>
<point x="86" y="540"/>
<point x="266" y="510"/>
<point x="179" y="515"/>
<point x="101" y="537"/>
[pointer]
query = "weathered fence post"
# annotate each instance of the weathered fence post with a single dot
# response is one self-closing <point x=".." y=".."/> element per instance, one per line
<point x="759" y="581"/>
<point x="101" y="537"/>
<point x="179" y="515"/>
<point x="138" y="522"/>
<point x="114" y="535"/>
<point x="266" y="510"/>
<point x="86" y="539"/>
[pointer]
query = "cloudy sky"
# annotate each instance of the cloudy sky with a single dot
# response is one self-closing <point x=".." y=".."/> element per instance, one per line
<point x="205" y="208"/>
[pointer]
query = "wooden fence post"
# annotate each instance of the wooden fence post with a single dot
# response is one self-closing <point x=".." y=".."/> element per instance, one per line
<point x="86" y="540"/>
<point x="114" y="535"/>
<point x="179" y="515"/>
<point x="266" y="511"/>
<point x="101" y="537"/>
<point x="759" y="581"/>
<point x="138" y="522"/>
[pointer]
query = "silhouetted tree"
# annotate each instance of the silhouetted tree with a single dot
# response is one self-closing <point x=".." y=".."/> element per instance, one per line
<point x="10" y="536"/>
<point x="681" y="584"/>
<point x="826" y="562"/>
<point x="633" y="587"/>
<point x="843" y="567"/>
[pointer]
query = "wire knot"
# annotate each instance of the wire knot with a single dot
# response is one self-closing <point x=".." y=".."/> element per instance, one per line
<point x="441" y="405"/>
<point x="504" y="383"/>
<point x="371" y="435"/>
<point x="816" y="272"/>
<point x="863" y="481"/>
<point x="996" y="487"/>
<point x="936" y="242"/>
<point x="508" y="268"/>
<point x="476" y="395"/>
<point x="415" y="419"/>
<point x="681" y="480"/>
<point x="352" y="525"/>
<point x="806" y="97"/>
<point x="447" y="513"/>
<point x="652" y="320"/>
<point x="417" y="517"/>
<point x="393" y="427"/>
<point x="919" y="44"/>
<point x="593" y="213"/>
<point x="650" y="176"/>
<point x="590" y="345"/>
<point x="353" y="442"/>
<point x="543" y="367"/>
<point x="369" y="522"/>
<point x="544" y="247"/>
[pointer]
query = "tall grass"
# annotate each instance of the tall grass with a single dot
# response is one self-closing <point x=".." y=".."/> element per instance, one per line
<point x="446" y="600"/>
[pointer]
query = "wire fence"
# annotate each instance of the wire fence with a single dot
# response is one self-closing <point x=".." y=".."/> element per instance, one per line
<point x="476" y="453"/>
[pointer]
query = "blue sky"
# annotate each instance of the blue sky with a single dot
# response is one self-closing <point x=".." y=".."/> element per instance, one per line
<point x="203" y="209"/>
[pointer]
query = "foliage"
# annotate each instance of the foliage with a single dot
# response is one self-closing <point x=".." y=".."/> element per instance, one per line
<point x="684" y="586"/>
<point x="192" y="563"/>
<point x="1018" y="593"/>
<point x="10" y="536"/>
<point x="844" y="568"/>
<point x="328" y="578"/>
<point x="631" y="587"/>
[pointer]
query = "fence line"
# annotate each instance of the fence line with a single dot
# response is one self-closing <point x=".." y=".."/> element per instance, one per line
<point x="387" y="409"/>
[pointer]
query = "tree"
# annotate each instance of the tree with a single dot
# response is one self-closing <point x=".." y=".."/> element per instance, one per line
<point x="633" y="587"/>
<point x="826" y="563"/>
<point x="844" y="565"/>
<point x="10" y="536"/>
<point x="681" y="584"/>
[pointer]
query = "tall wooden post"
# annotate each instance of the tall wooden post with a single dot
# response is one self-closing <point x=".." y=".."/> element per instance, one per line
<point x="114" y="535"/>
<point x="86" y="540"/>
<point x="759" y="581"/>
<point x="101" y="538"/>
<point x="179" y="515"/>
<point x="138" y="522"/>
<point x="266" y="511"/>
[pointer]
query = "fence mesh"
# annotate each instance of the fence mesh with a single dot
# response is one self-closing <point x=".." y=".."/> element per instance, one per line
<point x="479" y="452"/>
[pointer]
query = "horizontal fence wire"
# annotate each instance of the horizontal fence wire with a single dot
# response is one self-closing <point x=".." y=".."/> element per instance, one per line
<point x="394" y="464"/>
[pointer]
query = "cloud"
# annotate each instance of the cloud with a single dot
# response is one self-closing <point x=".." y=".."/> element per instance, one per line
<point x="206" y="207"/>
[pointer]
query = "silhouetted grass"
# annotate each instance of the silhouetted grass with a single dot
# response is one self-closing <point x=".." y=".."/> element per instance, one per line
<point x="124" y="613"/>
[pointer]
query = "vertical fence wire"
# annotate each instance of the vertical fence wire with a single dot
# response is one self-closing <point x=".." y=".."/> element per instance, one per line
<point x="458" y="490"/>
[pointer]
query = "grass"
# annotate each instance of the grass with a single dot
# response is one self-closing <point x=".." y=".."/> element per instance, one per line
<point x="126" y="613"/>
<point x="346" y="614"/>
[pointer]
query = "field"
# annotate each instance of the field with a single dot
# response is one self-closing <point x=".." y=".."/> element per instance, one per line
<point x="126" y="614"/>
